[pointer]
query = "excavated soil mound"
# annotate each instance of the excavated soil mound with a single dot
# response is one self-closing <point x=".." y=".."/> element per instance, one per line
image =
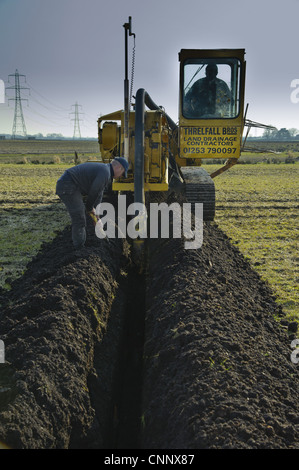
<point x="57" y="387"/>
<point x="214" y="370"/>
<point x="217" y="370"/>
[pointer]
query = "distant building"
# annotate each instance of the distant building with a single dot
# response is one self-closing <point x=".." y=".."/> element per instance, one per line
<point x="2" y="137"/>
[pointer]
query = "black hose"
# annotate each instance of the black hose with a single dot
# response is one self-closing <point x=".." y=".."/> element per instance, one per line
<point x="153" y="106"/>
<point x="139" y="147"/>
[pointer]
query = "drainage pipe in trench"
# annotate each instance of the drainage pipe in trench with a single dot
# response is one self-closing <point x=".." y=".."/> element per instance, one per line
<point x="139" y="197"/>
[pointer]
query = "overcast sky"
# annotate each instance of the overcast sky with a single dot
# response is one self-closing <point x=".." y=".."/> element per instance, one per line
<point x="73" y="51"/>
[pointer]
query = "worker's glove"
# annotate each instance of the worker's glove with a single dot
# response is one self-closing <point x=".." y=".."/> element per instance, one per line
<point x="93" y="216"/>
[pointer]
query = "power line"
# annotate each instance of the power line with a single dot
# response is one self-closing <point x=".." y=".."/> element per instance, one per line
<point x="59" y="116"/>
<point x="60" y="108"/>
<point x="46" y="118"/>
<point x="40" y="104"/>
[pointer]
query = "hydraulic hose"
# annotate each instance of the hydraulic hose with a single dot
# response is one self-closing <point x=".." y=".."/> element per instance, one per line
<point x="142" y="99"/>
<point x="139" y="197"/>
<point x="153" y="106"/>
<point x="139" y="147"/>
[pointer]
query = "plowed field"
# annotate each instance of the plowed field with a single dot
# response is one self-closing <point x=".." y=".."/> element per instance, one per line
<point x="192" y="353"/>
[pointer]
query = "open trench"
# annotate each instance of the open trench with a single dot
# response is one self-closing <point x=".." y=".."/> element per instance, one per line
<point x="123" y="423"/>
<point x="192" y="352"/>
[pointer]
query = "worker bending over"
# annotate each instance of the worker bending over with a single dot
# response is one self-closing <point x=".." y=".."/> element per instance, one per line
<point x="87" y="179"/>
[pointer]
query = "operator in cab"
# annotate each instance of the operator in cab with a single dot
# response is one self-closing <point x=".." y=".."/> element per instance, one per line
<point x="209" y="97"/>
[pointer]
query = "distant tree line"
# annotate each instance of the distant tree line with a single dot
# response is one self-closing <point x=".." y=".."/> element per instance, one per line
<point x="281" y="134"/>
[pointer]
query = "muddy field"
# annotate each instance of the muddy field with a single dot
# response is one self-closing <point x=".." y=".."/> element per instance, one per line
<point x="190" y="353"/>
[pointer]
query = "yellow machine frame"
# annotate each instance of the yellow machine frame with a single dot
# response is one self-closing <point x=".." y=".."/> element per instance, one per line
<point x="156" y="142"/>
<point x="192" y="141"/>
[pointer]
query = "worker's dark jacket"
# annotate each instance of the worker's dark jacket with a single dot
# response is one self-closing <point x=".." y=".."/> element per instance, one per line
<point x="91" y="179"/>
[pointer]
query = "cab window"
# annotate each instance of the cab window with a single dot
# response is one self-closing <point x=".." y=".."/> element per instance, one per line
<point x="211" y="88"/>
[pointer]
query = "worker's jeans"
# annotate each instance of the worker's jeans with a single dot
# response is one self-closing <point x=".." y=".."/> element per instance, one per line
<point x="70" y="195"/>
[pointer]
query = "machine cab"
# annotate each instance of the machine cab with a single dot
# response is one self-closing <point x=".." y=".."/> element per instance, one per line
<point x="211" y="109"/>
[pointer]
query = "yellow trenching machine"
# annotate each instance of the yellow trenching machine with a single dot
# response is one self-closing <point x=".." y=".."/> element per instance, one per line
<point x="164" y="155"/>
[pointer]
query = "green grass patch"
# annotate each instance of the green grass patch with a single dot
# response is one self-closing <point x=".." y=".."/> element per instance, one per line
<point x="30" y="215"/>
<point x="257" y="207"/>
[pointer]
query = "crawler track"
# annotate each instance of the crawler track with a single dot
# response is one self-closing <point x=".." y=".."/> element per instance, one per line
<point x="200" y="188"/>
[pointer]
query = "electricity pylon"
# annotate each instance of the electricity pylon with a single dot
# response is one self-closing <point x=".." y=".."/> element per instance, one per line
<point x="19" y="127"/>
<point x="77" y="133"/>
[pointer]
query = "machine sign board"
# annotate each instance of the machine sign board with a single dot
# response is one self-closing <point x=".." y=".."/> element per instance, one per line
<point x="210" y="141"/>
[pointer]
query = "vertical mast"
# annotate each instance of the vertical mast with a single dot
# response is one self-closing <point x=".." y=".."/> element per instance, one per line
<point x="128" y="30"/>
